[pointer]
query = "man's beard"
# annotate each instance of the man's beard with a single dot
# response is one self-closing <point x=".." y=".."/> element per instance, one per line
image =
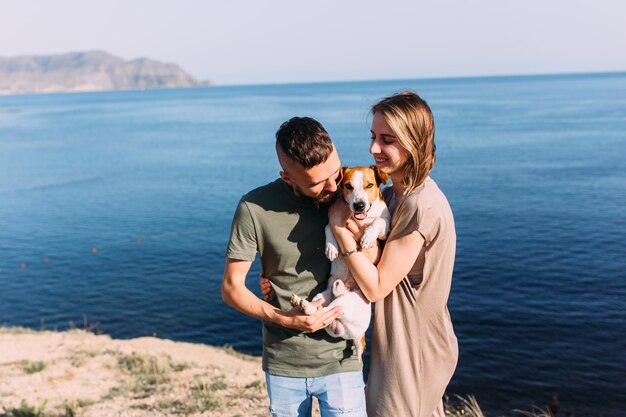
<point x="325" y="199"/>
<point x="322" y="200"/>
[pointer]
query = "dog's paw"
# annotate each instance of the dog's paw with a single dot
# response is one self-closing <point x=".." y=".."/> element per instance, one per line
<point x="368" y="240"/>
<point x="307" y="308"/>
<point x="331" y="251"/>
<point x="295" y="300"/>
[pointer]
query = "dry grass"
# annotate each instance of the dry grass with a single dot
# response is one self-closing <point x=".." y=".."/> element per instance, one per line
<point x="464" y="407"/>
<point x="17" y="330"/>
<point x="79" y="374"/>
<point x="231" y="351"/>
<point x="27" y="410"/>
<point x="535" y="412"/>
<point x="147" y="371"/>
<point x="469" y="407"/>
<point x="34" y="367"/>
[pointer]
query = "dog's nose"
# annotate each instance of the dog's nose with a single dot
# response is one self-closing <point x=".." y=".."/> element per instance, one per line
<point x="359" y="206"/>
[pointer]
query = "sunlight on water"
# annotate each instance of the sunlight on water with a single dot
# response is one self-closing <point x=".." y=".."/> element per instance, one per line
<point x="118" y="205"/>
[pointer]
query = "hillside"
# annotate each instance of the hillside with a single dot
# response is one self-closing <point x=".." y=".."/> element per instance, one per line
<point x="88" y="71"/>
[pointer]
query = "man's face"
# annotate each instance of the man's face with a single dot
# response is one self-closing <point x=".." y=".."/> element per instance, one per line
<point x="319" y="183"/>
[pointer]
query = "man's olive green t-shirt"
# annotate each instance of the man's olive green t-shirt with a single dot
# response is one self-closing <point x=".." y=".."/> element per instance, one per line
<point x="288" y="233"/>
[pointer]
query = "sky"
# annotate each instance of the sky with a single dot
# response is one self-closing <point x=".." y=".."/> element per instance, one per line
<point x="285" y="41"/>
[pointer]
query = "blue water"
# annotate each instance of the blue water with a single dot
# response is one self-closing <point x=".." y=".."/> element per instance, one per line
<point x="116" y="206"/>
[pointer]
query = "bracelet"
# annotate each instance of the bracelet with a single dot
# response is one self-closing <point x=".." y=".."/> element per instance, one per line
<point x="352" y="252"/>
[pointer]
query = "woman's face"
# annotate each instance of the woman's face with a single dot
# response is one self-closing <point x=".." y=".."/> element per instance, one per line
<point x="389" y="155"/>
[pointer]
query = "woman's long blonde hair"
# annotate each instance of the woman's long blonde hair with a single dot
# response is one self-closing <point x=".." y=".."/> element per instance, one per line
<point x="412" y="122"/>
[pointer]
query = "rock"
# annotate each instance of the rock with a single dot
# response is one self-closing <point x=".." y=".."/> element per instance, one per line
<point x="88" y="71"/>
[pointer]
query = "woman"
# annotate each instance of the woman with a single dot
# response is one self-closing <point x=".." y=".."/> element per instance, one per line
<point x="414" y="349"/>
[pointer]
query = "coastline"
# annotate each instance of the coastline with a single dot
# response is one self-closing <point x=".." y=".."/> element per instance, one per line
<point x="77" y="373"/>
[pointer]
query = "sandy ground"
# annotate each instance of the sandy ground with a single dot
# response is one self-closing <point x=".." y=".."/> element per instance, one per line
<point x="76" y="373"/>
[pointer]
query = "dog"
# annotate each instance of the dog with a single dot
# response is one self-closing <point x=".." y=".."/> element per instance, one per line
<point x="360" y="189"/>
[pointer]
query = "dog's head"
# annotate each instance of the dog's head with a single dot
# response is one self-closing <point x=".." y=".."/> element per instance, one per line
<point x="360" y="187"/>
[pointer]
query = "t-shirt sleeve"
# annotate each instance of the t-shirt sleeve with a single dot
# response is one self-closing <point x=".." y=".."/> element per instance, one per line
<point x="412" y="216"/>
<point x="242" y="244"/>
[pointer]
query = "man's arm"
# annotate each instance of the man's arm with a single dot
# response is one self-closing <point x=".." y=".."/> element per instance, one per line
<point x="237" y="295"/>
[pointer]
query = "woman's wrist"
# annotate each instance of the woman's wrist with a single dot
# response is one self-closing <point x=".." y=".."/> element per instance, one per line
<point x="350" y="252"/>
<point x="344" y="239"/>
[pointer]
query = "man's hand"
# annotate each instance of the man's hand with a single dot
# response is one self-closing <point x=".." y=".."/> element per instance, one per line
<point x="295" y="319"/>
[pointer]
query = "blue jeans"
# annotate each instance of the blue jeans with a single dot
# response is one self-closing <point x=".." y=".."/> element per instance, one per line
<point x="340" y="394"/>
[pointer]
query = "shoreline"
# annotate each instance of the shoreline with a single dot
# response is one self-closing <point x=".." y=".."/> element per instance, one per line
<point x="77" y="373"/>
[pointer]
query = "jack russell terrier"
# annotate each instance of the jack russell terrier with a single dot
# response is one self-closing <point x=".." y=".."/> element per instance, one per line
<point x="360" y="189"/>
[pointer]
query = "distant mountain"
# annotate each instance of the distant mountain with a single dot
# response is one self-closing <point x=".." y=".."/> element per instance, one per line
<point x="88" y="71"/>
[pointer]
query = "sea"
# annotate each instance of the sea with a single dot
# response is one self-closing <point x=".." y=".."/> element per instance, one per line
<point x="115" y="211"/>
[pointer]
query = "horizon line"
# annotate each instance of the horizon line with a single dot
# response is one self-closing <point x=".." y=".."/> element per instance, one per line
<point x="427" y="78"/>
<point x="435" y="78"/>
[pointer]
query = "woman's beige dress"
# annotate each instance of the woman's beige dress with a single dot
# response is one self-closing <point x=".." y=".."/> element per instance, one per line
<point x="414" y="349"/>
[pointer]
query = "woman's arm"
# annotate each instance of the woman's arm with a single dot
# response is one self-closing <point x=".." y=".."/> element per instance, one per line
<point x="398" y="257"/>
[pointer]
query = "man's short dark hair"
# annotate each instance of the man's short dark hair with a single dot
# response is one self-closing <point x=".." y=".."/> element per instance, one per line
<point x="303" y="140"/>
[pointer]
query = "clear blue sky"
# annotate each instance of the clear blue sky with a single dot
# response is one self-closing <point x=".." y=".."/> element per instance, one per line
<point x="274" y="41"/>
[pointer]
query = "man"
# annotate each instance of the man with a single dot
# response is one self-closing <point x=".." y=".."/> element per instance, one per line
<point x="284" y="222"/>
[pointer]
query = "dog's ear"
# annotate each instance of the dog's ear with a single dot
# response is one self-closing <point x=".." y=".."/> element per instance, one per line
<point x="381" y="177"/>
<point x="342" y="171"/>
